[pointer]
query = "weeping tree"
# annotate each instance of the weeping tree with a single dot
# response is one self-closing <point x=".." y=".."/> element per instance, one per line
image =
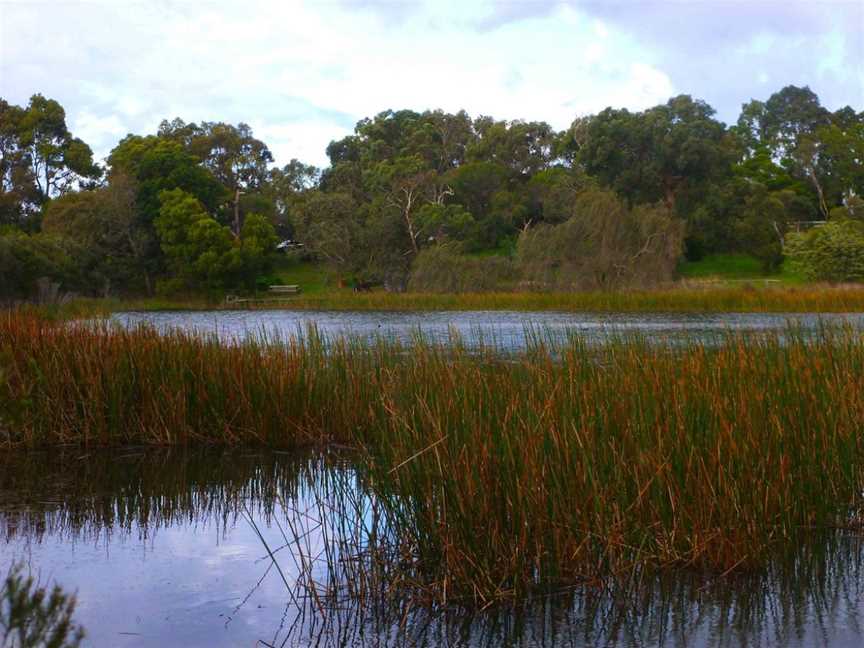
<point x="603" y="245"/>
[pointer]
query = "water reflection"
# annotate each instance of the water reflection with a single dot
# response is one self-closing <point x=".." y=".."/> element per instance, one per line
<point x="510" y="330"/>
<point x="218" y="548"/>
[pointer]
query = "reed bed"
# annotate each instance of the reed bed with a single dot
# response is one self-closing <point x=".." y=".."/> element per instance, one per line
<point x="564" y="465"/>
<point x="331" y="539"/>
<point x="685" y="298"/>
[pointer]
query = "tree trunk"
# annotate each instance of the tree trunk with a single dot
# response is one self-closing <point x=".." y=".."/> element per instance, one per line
<point x="237" y="213"/>
<point x="411" y="232"/>
<point x="823" y="206"/>
<point x="669" y="186"/>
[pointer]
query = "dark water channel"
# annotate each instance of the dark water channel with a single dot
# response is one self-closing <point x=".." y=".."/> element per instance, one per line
<point x="242" y="548"/>
<point x="509" y="330"/>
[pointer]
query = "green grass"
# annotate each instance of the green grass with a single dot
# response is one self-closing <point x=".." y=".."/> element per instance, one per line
<point x="312" y="278"/>
<point x="724" y="266"/>
<point x="506" y="248"/>
<point x="563" y="465"/>
<point x="736" y="268"/>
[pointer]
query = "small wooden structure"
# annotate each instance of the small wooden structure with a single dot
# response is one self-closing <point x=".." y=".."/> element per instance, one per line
<point x="278" y="293"/>
<point x="292" y="289"/>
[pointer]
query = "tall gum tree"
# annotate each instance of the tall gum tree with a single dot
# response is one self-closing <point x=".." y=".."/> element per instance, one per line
<point x="59" y="161"/>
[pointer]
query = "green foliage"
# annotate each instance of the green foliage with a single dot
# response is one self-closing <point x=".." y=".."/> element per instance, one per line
<point x="524" y="148"/>
<point x="723" y="266"/>
<point x="441" y="223"/>
<point x="830" y="252"/>
<point x="19" y="195"/>
<point x="32" y="617"/>
<point x="764" y="220"/>
<point x="58" y="159"/>
<point x="257" y="244"/>
<point x="27" y="258"/>
<point x="199" y="250"/>
<point x="406" y="181"/>
<point x="553" y="193"/>
<point x="476" y="183"/>
<point x="115" y="246"/>
<point x="603" y="245"/>
<point x="331" y="225"/>
<point x="203" y="253"/>
<point x="285" y="189"/>
<point x="442" y="269"/>
<point x="658" y="154"/>
<point x="781" y="121"/>
<point x="159" y="164"/>
<point x="292" y="269"/>
<point x="39" y="159"/>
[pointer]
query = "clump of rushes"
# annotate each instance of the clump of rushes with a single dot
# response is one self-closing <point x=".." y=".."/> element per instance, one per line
<point x="563" y="465"/>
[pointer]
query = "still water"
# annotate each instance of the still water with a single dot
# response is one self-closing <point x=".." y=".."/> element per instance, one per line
<point x="218" y="548"/>
<point x="509" y="330"/>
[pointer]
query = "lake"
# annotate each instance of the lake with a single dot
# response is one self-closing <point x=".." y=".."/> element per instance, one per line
<point x="510" y="330"/>
<point x="210" y="547"/>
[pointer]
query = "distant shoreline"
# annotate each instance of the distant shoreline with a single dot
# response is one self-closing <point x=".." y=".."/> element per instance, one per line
<point x="753" y="297"/>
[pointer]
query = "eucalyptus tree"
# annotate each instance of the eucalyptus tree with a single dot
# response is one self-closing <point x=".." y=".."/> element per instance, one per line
<point x="19" y="196"/>
<point x="234" y="156"/>
<point x="39" y="158"/>
<point x="58" y="160"/>
<point x="660" y="154"/>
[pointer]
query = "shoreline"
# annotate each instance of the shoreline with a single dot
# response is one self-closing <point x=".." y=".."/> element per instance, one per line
<point x="813" y="298"/>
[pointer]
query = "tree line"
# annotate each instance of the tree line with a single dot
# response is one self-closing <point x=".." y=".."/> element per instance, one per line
<point x="434" y="200"/>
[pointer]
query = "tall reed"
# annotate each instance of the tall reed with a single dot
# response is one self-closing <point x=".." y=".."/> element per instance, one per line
<point x="561" y="466"/>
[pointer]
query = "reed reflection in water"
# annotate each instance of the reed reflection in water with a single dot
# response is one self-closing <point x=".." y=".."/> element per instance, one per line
<point x="211" y="547"/>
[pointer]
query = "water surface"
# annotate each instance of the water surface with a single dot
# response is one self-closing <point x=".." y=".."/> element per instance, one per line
<point x="510" y="330"/>
<point x="218" y="548"/>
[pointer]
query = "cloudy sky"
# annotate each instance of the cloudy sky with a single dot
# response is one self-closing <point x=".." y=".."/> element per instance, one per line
<point x="302" y="73"/>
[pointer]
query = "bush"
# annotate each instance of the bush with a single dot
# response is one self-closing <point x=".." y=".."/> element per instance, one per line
<point x="31" y="617"/>
<point x="204" y="254"/>
<point x="442" y="269"/>
<point x="604" y="245"/>
<point x="25" y="259"/>
<point x="830" y="252"/>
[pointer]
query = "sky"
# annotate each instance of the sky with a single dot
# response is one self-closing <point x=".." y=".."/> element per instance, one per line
<point x="302" y="73"/>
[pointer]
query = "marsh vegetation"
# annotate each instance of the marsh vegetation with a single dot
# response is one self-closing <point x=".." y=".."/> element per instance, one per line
<point x="225" y="545"/>
<point x="562" y="464"/>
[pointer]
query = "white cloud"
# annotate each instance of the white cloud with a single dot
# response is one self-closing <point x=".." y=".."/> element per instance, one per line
<point x="302" y="73"/>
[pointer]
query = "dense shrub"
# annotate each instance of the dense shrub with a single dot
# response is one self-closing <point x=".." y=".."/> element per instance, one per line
<point x="831" y="252"/>
<point x="604" y="245"/>
<point x="443" y="269"/>
<point x="204" y="254"/>
<point x="26" y="258"/>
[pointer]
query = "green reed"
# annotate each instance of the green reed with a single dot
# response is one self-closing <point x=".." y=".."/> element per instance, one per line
<point x="562" y="465"/>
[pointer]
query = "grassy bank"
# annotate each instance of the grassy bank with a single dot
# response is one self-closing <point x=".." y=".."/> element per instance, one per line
<point x="737" y="268"/>
<point x="565" y="466"/>
<point x="693" y="297"/>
